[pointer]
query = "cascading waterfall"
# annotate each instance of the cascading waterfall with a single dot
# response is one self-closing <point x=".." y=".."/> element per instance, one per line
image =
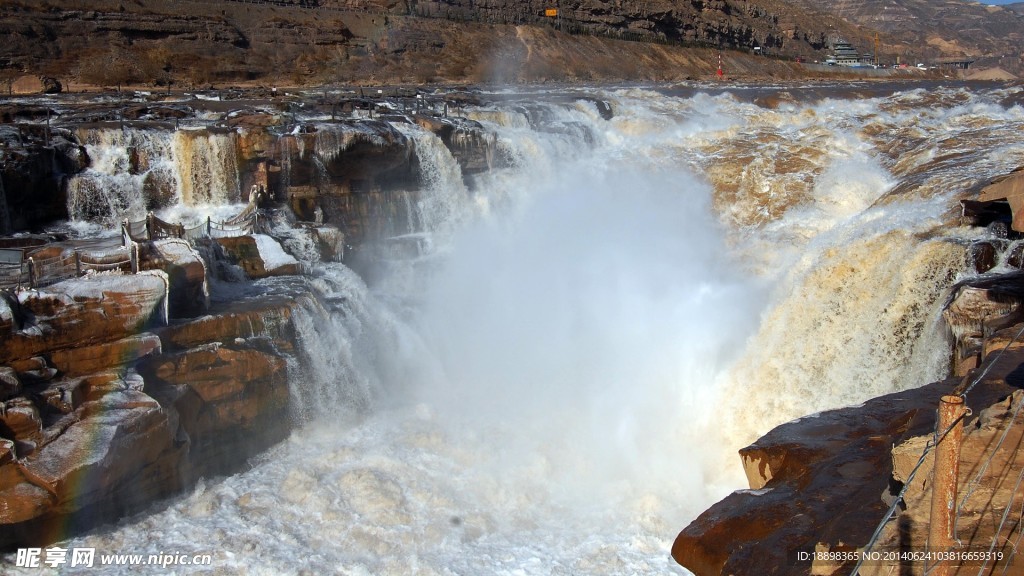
<point x="135" y="170"/>
<point x="130" y="171"/>
<point x="631" y="301"/>
<point x="443" y="197"/>
<point x="328" y="382"/>
<point x="207" y="167"/>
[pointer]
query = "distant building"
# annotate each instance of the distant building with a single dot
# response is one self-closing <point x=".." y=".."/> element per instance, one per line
<point x="842" y="53"/>
<point x="955" y="63"/>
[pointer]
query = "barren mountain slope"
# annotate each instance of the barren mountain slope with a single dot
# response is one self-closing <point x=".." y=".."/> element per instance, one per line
<point x="194" y="43"/>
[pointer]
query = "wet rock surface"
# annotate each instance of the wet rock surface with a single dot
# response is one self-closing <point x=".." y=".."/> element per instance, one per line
<point x="115" y="397"/>
<point x="819" y="479"/>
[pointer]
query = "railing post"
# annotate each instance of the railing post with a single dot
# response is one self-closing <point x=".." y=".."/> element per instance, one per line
<point x="209" y="226"/>
<point x="944" y="480"/>
<point x="31" y="272"/>
<point x="133" y="257"/>
<point x="150" y="225"/>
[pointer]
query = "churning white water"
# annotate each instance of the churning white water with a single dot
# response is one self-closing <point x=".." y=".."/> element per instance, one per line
<point x="133" y="170"/>
<point x="627" y="303"/>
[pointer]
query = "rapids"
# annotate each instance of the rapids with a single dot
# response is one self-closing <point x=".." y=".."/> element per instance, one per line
<point x="560" y="383"/>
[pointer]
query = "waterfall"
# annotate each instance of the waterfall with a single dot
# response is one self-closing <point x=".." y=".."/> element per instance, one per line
<point x="618" y="308"/>
<point x="207" y="167"/>
<point x="443" y="197"/>
<point x="136" y="170"/>
<point x="131" y="171"/>
<point x="328" y="382"/>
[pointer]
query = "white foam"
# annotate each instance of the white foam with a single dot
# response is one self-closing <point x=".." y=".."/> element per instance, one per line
<point x="575" y="373"/>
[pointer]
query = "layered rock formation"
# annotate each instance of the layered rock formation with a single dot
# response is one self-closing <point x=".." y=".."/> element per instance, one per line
<point x="113" y="397"/>
<point x="358" y="174"/>
<point x="820" y="483"/>
<point x="110" y="43"/>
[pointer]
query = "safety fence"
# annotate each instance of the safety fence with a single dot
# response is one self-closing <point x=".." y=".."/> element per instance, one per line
<point x="18" y="271"/>
<point x="153" y="228"/>
<point x="946" y="509"/>
<point x="40" y="272"/>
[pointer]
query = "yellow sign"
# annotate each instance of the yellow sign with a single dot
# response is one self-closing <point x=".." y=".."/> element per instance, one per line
<point x="551" y="12"/>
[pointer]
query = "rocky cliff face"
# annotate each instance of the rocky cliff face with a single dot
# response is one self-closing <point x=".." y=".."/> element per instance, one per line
<point x="110" y="43"/>
<point x="114" y="398"/>
<point x="819" y="483"/>
<point x="358" y="174"/>
<point x="928" y="31"/>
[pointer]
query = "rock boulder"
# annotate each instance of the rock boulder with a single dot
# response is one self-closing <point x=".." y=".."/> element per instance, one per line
<point x="820" y="484"/>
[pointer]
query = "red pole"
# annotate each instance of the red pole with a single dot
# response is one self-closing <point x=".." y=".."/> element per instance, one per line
<point x="944" y="481"/>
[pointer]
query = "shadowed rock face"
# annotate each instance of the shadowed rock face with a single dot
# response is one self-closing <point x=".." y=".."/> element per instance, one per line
<point x="107" y="408"/>
<point x="34" y="168"/>
<point x="819" y="479"/>
<point x="110" y="43"/>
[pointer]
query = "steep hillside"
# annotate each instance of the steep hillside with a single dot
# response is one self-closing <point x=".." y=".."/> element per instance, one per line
<point x="933" y="30"/>
<point x="198" y="43"/>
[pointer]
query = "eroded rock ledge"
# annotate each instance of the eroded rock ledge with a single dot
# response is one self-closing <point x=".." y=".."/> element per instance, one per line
<point x="119" y="390"/>
<point x="825" y="481"/>
<point x="820" y="480"/>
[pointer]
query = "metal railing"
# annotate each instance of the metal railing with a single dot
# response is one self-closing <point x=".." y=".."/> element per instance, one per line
<point x="41" y="272"/>
<point x="18" y="272"/>
<point x="153" y="228"/>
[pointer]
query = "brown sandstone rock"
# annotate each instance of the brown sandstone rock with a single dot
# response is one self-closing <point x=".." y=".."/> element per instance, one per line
<point x="87" y="311"/>
<point x="33" y="364"/>
<point x="21" y="422"/>
<point x="1010" y="187"/>
<point x="20" y="499"/>
<point x="28" y="85"/>
<point x="120" y="454"/>
<point x="232" y="401"/>
<point x="260" y="256"/>
<point x="216" y="372"/>
<point x="828" y="472"/>
<point x="978" y="308"/>
<point x="7" y="451"/>
<point x="115" y="453"/>
<point x="62" y="397"/>
<point x="106" y="356"/>
<point x="10" y="385"/>
<point x="189" y="294"/>
<point x="269" y="316"/>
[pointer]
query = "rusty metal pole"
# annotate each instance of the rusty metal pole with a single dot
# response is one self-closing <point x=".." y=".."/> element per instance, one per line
<point x="944" y="481"/>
